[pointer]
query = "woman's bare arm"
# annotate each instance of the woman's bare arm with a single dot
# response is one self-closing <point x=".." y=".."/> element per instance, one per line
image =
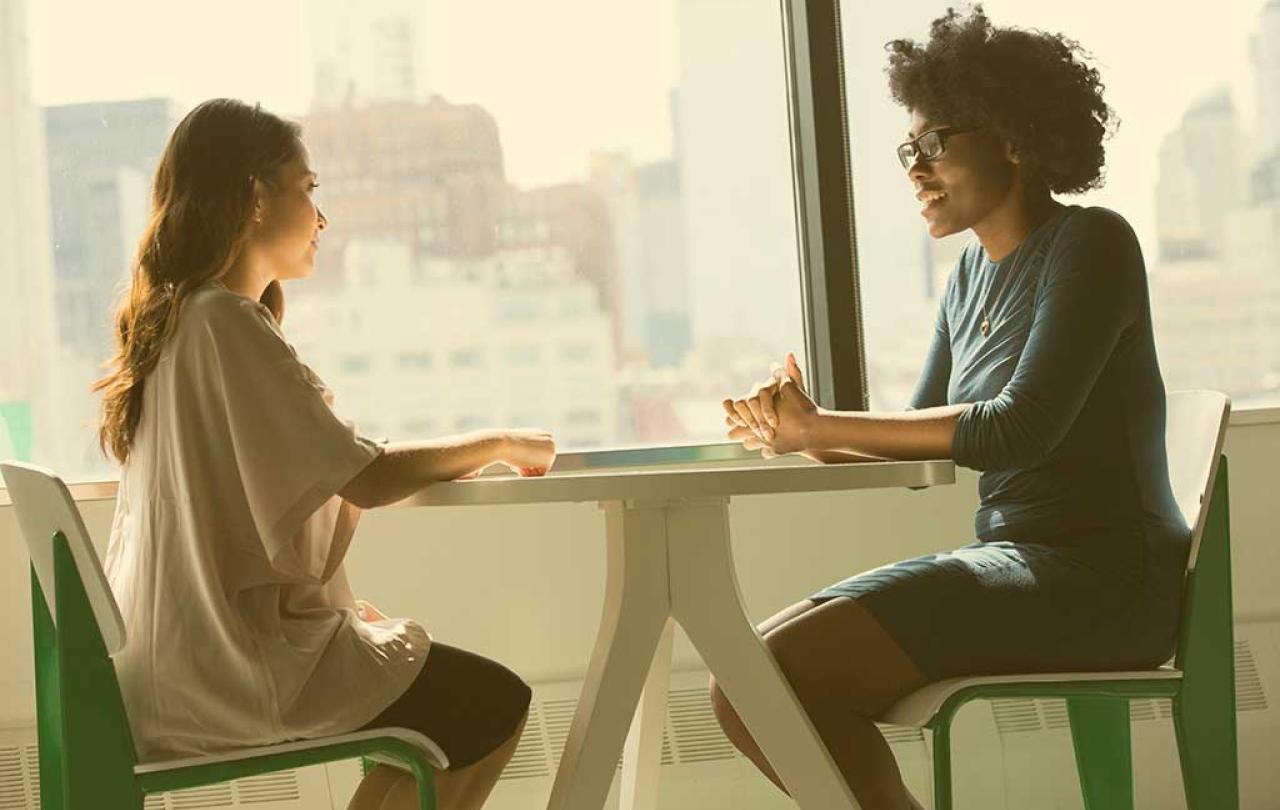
<point x="403" y="468"/>
<point x="838" y="456"/>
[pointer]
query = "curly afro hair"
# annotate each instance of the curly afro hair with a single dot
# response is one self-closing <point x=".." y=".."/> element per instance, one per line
<point x="1028" y="87"/>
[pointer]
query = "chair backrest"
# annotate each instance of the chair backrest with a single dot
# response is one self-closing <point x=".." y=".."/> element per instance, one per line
<point x="44" y="507"/>
<point x="86" y="748"/>
<point x="1195" y="427"/>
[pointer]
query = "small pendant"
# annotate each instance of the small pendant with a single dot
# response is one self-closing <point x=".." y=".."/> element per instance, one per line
<point x="985" y="327"/>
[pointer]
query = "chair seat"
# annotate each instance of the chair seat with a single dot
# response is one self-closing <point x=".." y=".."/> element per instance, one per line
<point x="433" y="752"/>
<point x="919" y="707"/>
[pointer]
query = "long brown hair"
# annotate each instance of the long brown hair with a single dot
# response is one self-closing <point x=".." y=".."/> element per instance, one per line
<point x="202" y="203"/>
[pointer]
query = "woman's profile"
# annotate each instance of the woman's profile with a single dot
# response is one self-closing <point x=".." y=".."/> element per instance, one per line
<point x="1042" y="374"/>
<point x="241" y="488"/>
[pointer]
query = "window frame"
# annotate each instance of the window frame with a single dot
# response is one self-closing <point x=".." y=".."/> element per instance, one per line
<point x="642" y="458"/>
<point x="825" y="215"/>
<point x="826" y="244"/>
<point x="823" y="198"/>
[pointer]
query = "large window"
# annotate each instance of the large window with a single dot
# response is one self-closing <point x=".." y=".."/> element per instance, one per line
<point x="600" y="217"/>
<point x="569" y="214"/>
<point x="1194" y="167"/>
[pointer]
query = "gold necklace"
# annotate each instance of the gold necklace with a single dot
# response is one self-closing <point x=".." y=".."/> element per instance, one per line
<point x="985" y="326"/>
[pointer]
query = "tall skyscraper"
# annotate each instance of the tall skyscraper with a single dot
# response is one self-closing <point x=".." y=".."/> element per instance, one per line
<point x="1202" y="179"/>
<point x="102" y="156"/>
<point x="661" y="225"/>
<point x="1264" y="52"/>
<point x="25" y="263"/>
<point x="1264" y="181"/>
<point x="647" y="217"/>
<point x="1265" y="55"/>
<point x="364" y="52"/>
<point x="1215" y="293"/>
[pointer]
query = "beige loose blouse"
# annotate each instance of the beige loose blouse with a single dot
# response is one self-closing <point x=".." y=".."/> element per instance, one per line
<point x="227" y="546"/>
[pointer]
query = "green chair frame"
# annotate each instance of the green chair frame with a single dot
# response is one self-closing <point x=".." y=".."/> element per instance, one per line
<point x="1200" y="684"/>
<point x="87" y="758"/>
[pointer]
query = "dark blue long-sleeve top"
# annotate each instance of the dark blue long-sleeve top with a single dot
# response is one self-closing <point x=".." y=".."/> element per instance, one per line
<point x="1068" y="418"/>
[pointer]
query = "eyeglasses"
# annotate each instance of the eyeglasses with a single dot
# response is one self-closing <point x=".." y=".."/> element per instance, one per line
<point x="928" y="145"/>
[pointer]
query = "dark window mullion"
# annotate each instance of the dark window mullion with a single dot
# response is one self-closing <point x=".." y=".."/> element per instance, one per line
<point x="824" y="203"/>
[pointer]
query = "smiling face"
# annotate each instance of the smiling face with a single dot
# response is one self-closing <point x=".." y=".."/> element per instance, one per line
<point x="288" y="235"/>
<point x="975" y="176"/>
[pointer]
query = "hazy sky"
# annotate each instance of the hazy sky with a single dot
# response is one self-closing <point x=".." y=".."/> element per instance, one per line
<point x="598" y="77"/>
<point x="1154" y="64"/>
<point x="564" y="77"/>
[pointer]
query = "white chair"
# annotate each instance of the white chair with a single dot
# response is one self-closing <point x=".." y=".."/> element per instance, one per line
<point x="87" y="756"/>
<point x="1201" y="681"/>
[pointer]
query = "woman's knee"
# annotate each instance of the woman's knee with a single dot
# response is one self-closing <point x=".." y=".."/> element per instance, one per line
<point x="513" y="695"/>
<point x="838" y="659"/>
<point x="719" y="703"/>
<point x="478" y="707"/>
<point x="730" y="723"/>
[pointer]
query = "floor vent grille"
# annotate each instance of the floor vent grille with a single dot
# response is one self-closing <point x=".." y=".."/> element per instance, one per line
<point x="15" y="784"/>
<point x="691" y="734"/>
<point x="531" y="758"/>
<point x="692" y="722"/>
<point x="1249" y="693"/>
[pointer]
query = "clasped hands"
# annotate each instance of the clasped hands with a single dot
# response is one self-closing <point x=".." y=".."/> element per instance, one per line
<point x="777" y="417"/>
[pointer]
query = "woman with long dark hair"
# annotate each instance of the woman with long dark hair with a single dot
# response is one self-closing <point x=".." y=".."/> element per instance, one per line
<point x="1042" y="374"/>
<point x="240" y="490"/>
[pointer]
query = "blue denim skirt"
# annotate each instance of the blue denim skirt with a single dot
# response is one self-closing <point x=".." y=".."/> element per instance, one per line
<point x="1102" y="600"/>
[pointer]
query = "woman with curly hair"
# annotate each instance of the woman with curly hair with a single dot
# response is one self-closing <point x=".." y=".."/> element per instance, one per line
<point x="1042" y="375"/>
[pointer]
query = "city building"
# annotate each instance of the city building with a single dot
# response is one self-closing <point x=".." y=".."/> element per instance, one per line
<point x="1203" y="177"/>
<point x="366" y="53"/>
<point x="102" y="157"/>
<point x="1215" y="287"/>
<point x="1216" y="328"/>
<point x="415" y="348"/>
<point x="26" y="266"/>
<point x="429" y="175"/>
<point x="646" y="213"/>
<point x="1264" y="52"/>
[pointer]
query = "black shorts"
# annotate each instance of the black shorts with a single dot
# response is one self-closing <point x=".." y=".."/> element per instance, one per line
<point x="1110" y="601"/>
<point x="466" y="704"/>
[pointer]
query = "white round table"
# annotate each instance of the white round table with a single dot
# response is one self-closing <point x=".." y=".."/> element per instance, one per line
<point x="669" y="559"/>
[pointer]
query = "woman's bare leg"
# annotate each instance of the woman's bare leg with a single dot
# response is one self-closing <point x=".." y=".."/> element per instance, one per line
<point x="846" y="669"/>
<point x="373" y="788"/>
<point x="462" y="789"/>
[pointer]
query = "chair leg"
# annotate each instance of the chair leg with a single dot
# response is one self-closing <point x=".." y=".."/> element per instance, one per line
<point x="426" y="791"/>
<point x="116" y="799"/>
<point x="1204" y="721"/>
<point x="1100" y="734"/>
<point x="424" y="779"/>
<point x="1204" y="711"/>
<point x="942" y="763"/>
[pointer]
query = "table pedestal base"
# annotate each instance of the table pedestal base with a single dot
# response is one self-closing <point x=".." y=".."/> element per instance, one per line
<point x="671" y="560"/>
